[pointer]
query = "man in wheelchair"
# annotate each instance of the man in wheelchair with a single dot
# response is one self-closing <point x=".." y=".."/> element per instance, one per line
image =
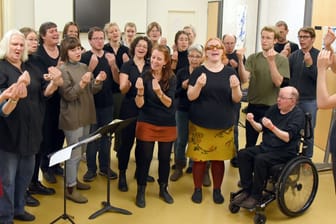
<point x="280" y="139"/>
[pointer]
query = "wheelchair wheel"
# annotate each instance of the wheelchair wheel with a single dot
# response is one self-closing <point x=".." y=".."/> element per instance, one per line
<point x="233" y="208"/>
<point x="297" y="186"/>
<point x="259" y="219"/>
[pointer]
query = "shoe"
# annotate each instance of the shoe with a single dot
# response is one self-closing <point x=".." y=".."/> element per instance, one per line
<point x="26" y="216"/>
<point x="217" y="196"/>
<point x="177" y="174"/>
<point x="164" y="194"/>
<point x="82" y="186"/>
<point x="122" y="183"/>
<point x="31" y="201"/>
<point x="189" y="169"/>
<point x="49" y="176"/>
<point x="112" y="175"/>
<point x="249" y="203"/>
<point x="38" y="188"/>
<point x="197" y="195"/>
<point x="140" y="199"/>
<point x="234" y="162"/>
<point x="58" y="170"/>
<point x="150" y="179"/>
<point x="240" y="198"/>
<point x="75" y="196"/>
<point x="89" y="176"/>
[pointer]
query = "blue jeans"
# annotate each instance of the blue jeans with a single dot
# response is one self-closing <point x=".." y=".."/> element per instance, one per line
<point x="101" y="146"/>
<point x="72" y="164"/>
<point x="309" y="106"/>
<point x="15" y="172"/>
<point x="182" y="125"/>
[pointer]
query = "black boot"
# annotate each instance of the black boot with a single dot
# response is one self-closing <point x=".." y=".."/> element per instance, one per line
<point x="140" y="197"/>
<point x="165" y="195"/>
<point x="122" y="183"/>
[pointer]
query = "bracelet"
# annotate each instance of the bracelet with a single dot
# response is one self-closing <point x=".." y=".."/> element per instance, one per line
<point x="272" y="127"/>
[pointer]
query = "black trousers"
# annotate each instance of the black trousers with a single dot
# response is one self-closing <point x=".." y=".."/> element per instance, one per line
<point x="144" y="154"/>
<point x="254" y="166"/>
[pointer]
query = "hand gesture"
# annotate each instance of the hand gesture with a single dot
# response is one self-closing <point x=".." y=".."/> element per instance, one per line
<point x="233" y="63"/>
<point x="323" y="59"/>
<point x="11" y="92"/>
<point x="201" y="80"/>
<point x="287" y="50"/>
<point x="234" y="81"/>
<point x="240" y="53"/>
<point x="156" y="86"/>
<point x="270" y="55"/>
<point x="101" y="76"/>
<point x="139" y="84"/>
<point x="24" y="78"/>
<point x="308" y="60"/>
<point x="93" y="62"/>
<point x="110" y="58"/>
<point x="329" y="38"/>
<point x="185" y="84"/>
<point x="249" y="117"/>
<point x="86" y="78"/>
<point x="267" y="122"/>
<point x="55" y="76"/>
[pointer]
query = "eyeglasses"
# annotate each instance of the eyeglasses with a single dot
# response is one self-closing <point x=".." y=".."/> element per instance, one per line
<point x="213" y="47"/>
<point x="284" y="98"/>
<point x="194" y="56"/>
<point x="304" y="37"/>
<point x="98" y="39"/>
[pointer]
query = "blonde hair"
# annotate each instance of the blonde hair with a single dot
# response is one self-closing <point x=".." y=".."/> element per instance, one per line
<point x="5" y="43"/>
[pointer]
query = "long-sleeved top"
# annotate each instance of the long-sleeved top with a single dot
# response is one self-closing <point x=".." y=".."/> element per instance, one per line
<point x="77" y="104"/>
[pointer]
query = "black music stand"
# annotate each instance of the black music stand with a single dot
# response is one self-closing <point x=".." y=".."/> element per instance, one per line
<point x="62" y="156"/>
<point x="109" y="129"/>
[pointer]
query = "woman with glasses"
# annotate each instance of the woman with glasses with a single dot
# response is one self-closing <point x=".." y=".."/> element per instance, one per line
<point x="213" y="91"/>
<point x="195" y="57"/>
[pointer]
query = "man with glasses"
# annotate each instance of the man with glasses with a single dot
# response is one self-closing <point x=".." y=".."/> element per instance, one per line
<point x="284" y="46"/>
<point x="303" y="70"/>
<point x="281" y="127"/>
<point x="236" y="60"/>
<point x="266" y="71"/>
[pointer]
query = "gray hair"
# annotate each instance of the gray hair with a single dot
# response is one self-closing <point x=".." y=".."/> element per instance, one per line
<point x="196" y="47"/>
<point x="5" y="44"/>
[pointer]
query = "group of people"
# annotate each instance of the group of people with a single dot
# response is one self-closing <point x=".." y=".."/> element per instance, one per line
<point x="185" y="98"/>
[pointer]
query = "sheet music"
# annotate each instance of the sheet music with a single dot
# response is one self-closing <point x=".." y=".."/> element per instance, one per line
<point x="61" y="155"/>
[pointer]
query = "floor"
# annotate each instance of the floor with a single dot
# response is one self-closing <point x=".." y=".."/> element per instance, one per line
<point x="183" y="210"/>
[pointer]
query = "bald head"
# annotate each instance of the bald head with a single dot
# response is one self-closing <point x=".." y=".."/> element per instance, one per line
<point x="229" y="41"/>
<point x="291" y="91"/>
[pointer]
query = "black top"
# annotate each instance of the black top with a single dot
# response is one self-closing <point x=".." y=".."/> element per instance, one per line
<point x="279" y="47"/>
<point x="234" y="56"/>
<point x="301" y="77"/>
<point x="21" y="131"/>
<point x="119" y="60"/>
<point x="292" y="122"/>
<point x="183" y="102"/>
<point x="214" y="107"/>
<point x="103" y="98"/>
<point x="182" y="60"/>
<point x="154" y="111"/>
<point x="128" y="106"/>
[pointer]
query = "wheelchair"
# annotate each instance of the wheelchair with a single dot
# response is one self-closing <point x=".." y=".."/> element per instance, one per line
<point x="293" y="185"/>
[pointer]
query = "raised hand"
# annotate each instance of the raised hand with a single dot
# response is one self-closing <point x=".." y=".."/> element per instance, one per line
<point x="24" y="78"/>
<point x="185" y="84"/>
<point x="101" y="76"/>
<point x="233" y="63"/>
<point x="323" y="59"/>
<point x="110" y="58"/>
<point x="139" y="84"/>
<point x="267" y="122"/>
<point x="240" y="53"/>
<point x="86" y="78"/>
<point x="270" y="55"/>
<point x="329" y="38"/>
<point x="201" y="80"/>
<point x="93" y="62"/>
<point x="55" y="75"/>
<point x="249" y="117"/>
<point x="156" y="86"/>
<point x="307" y="58"/>
<point x="234" y="81"/>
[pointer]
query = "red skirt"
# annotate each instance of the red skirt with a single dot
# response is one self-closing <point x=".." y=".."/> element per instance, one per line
<point x="151" y="133"/>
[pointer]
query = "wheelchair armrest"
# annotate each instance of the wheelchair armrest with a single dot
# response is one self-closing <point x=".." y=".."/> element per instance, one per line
<point x="308" y="128"/>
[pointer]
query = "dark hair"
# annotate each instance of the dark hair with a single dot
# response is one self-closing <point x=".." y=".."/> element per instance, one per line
<point x="43" y="29"/>
<point x="178" y="34"/>
<point x="167" y="71"/>
<point x="136" y="41"/>
<point x="282" y="23"/>
<point x="94" y="29"/>
<point x="66" y="28"/>
<point x="68" y="43"/>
